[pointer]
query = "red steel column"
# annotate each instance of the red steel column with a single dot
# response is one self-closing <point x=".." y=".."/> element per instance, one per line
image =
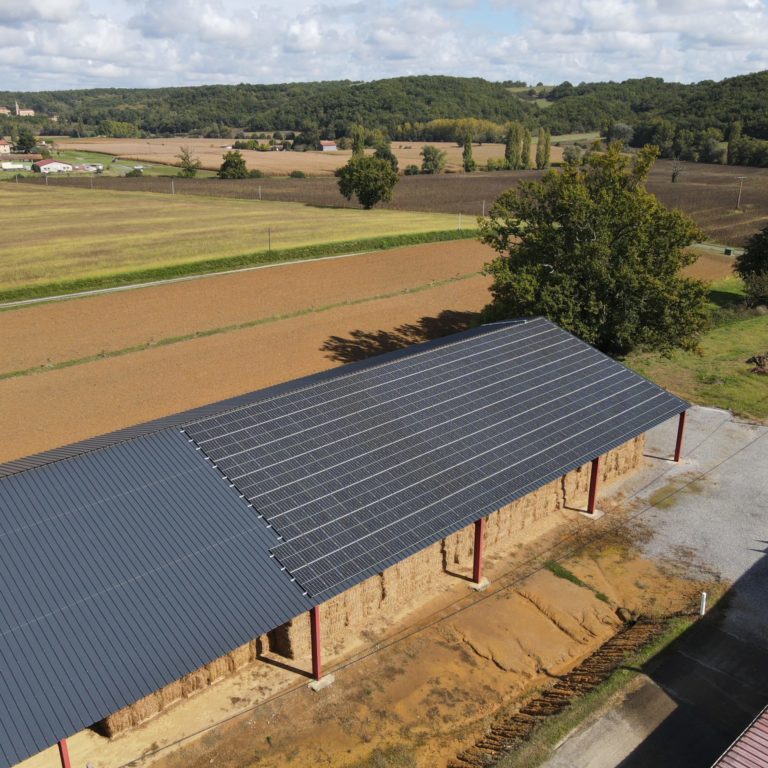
<point x="314" y="630"/>
<point x="680" y="433"/>
<point x="64" y="754"/>
<point x="477" y="566"/>
<point x="594" y="484"/>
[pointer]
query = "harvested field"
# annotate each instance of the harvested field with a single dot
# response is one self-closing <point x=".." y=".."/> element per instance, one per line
<point x="52" y="233"/>
<point x="711" y="265"/>
<point x="706" y="192"/>
<point x="61" y="406"/>
<point x="49" y="334"/>
<point x="211" y="151"/>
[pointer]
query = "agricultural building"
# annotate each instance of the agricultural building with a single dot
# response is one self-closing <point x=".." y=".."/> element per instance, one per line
<point x="140" y="566"/>
<point x="5" y="147"/>
<point x="5" y="111"/>
<point x="52" y="166"/>
<point x="328" y="146"/>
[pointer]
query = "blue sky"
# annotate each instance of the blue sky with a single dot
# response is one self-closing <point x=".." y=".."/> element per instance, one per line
<point x="54" y="44"/>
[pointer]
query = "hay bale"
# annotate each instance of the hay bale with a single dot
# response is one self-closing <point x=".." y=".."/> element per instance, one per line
<point x="194" y="682"/>
<point x="116" y="723"/>
<point x="217" y="669"/>
<point x="145" y="709"/>
<point x="170" y="693"/>
<point x="241" y="657"/>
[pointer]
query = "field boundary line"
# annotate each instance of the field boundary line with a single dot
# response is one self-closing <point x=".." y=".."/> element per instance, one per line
<point x="170" y="340"/>
<point x="183" y="279"/>
<point x="29" y="295"/>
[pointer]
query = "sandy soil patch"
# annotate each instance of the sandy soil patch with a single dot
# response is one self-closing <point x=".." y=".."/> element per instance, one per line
<point x="59" y="407"/>
<point x="211" y="151"/>
<point x="59" y="331"/>
<point x="710" y="266"/>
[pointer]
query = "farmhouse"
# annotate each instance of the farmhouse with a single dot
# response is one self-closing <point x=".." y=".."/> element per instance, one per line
<point x="140" y="566"/>
<point x="5" y="111"/>
<point x="52" y="166"/>
<point x="5" y="147"/>
<point x="328" y="146"/>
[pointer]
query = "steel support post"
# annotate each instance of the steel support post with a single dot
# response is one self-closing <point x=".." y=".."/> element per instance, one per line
<point x="64" y="754"/>
<point x="477" y="565"/>
<point x="314" y="630"/>
<point x="594" y="485"/>
<point x="680" y="434"/>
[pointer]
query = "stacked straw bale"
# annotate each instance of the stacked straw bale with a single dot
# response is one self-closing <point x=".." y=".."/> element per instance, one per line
<point x="387" y="593"/>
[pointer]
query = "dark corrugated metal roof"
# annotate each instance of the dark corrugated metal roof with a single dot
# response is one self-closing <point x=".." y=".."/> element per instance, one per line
<point x="750" y="750"/>
<point x="358" y="471"/>
<point x="128" y="561"/>
<point x="121" y="571"/>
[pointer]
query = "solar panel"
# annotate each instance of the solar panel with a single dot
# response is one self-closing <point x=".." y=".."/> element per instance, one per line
<point x="361" y="469"/>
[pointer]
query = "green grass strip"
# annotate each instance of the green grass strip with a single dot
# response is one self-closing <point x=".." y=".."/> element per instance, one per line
<point x="563" y="573"/>
<point x="209" y="266"/>
<point x="106" y="355"/>
<point x="550" y="733"/>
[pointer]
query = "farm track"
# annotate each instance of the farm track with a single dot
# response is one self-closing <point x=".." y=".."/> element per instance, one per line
<point x="511" y="730"/>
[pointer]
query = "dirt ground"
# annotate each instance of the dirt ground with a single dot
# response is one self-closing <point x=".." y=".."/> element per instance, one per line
<point x="710" y="265"/>
<point x="51" y="333"/>
<point x="61" y="406"/>
<point x="211" y="151"/>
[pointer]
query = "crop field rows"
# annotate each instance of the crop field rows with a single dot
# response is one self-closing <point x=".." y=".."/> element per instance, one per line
<point x="708" y="193"/>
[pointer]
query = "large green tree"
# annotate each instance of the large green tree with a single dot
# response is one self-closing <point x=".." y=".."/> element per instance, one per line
<point x="525" y="149"/>
<point x="357" y="133"/>
<point x="189" y="166"/>
<point x="433" y="159"/>
<point x="752" y="266"/>
<point x="591" y="249"/>
<point x="370" y="179"/>
<point x="466" y="156"/>
<point x="233" y="167"/>
<point x="26" y="140"/>
<point x="542" y="149"/>
<point x="513" y="146"/>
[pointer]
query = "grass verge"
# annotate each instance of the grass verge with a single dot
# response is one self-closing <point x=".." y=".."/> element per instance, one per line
<point x="210" y="266"/>
<point x="545" y="739"/>
<point x="718" y="373"/>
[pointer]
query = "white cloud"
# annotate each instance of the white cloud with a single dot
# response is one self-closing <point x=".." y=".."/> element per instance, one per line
<point x="70" y="43"/>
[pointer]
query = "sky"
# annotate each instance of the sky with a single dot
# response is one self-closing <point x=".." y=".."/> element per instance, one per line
<point x="60" y="44"/>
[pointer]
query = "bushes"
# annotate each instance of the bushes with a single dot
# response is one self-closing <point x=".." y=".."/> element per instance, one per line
<point x="298" y="175"/>
<point x="752" y="268"/>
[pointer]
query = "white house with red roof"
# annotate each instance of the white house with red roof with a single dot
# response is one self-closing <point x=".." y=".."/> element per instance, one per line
<point x="5" y="147"/>
<point x="328" y="146"/>
<point x="52" y="166"/>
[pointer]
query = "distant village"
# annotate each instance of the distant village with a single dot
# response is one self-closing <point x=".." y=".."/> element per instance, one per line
<point x="21" y="112"/>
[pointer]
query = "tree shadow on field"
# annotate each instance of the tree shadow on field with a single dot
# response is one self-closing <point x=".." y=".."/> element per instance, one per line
<point x="362" y="344"/>
<point x="726" y="299"/>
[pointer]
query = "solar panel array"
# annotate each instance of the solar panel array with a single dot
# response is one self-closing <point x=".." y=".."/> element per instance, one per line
<point x="122" y="570"/>
<point x="361" y="470"/>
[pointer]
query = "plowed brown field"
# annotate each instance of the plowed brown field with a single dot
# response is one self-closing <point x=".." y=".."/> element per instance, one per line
<point x="56" y="332"/>
<point x="56" y="407"/>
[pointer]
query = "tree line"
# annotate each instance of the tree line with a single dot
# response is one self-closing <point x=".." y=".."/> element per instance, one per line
<point x="687" y="121"/>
